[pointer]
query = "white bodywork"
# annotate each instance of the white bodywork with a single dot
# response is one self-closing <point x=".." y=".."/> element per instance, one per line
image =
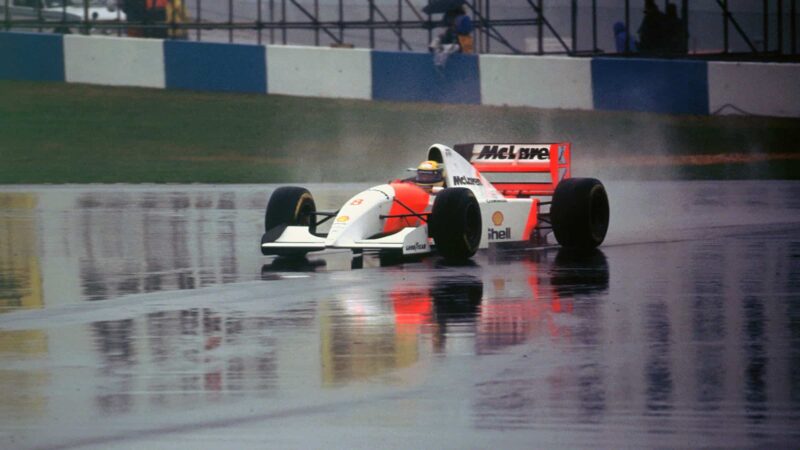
<point x="359" y="223"/>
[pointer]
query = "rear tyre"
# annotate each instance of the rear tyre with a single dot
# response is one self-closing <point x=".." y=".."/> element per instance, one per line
<point x="580" y="213"/>
<point x="455" y="223"/>
<point x="288" y="206"/>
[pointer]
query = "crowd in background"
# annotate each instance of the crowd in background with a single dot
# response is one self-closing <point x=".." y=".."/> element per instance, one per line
<point x="659" y="32"/>
<point x="157" y="17"/>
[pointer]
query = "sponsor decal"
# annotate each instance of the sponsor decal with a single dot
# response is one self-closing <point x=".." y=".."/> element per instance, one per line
<point x="499" y="235"/>
<point x="342" y="219"/>
<point x="416" y="247"/>
<point x="512" y="153"/>
<point x="497" y="218"/>
<point x="357" y="201"/>
<point x="466" y="181"/>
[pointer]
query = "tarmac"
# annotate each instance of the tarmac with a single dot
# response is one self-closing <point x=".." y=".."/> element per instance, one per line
<point x="144" y="316"/>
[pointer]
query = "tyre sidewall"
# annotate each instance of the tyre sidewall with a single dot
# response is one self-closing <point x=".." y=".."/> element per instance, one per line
<point x="580" y="213"/>
<point x="455" y="224"/>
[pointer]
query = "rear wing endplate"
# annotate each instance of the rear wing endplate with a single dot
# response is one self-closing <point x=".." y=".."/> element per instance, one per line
<point x="520" y="170"/>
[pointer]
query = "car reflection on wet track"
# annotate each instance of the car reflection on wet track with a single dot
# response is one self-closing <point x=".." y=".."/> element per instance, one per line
<point x="138" y="318"/>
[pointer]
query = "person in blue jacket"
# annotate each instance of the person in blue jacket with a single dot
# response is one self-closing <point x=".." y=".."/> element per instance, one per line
<point x="620" y="36"/>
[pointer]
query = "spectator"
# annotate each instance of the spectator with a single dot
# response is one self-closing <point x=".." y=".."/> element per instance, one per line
<point x="176" y="15"/>
<point x="651" y="30"/>
<point x="674" y="32"/>
<point x="457" y="37"/>
<point x="620" y="36"/>
<point x="156" y="13"/>
<point x="462" y="25"/>
<point x="135" y="13"/>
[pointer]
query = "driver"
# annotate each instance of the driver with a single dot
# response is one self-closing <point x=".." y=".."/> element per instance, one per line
<point x="429" y="175"/>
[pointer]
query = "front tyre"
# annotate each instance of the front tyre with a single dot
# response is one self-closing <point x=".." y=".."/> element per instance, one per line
<point x="580" y="213"/>
<point x="455" y="223"/>
<point x="288" y="206"/>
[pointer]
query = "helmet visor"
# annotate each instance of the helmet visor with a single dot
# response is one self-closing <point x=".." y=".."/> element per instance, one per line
<point x="429" y="176"/>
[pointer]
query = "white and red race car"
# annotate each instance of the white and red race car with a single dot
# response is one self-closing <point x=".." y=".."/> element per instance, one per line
<point x="491" y="194"/>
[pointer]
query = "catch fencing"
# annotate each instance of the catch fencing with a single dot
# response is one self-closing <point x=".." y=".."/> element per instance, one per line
<point x="726" y="29"/>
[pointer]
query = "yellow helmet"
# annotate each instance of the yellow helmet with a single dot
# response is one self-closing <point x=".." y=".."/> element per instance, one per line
<point x="429" y="172"/>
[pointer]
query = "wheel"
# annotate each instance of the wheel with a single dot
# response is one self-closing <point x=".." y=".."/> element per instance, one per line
<point x="455" y="223"/>
<point x="288" y="205"/>
<point x="580" y="213"/>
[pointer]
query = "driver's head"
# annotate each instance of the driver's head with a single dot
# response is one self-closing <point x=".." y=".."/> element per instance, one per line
<point x="429" y="173"/>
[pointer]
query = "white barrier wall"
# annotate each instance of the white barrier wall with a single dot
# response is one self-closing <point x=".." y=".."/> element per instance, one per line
<point x="539" y="82"/>
<point x="758" y="88"/>
<point x="770" y="89"/>
<point x="319" y="72"/>
<point x="114" y="61"/>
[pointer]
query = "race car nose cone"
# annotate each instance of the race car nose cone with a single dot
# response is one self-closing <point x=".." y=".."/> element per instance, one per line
<point x="360" y="217"/>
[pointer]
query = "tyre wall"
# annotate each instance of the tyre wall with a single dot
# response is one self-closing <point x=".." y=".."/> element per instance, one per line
<point x="600" y="83"/>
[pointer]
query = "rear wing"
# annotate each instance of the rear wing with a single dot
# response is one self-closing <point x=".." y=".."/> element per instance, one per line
<point x="520" y="170"/>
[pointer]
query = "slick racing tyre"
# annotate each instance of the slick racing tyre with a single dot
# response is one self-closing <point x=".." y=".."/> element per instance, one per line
<point x="455" y="223"/>
<point x="580" y="213"/>
<point x="288" y="206"/>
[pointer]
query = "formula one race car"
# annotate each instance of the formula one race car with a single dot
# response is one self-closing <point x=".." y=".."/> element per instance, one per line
<point x="460" y="200"/>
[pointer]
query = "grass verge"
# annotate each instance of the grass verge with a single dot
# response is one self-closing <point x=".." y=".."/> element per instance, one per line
<point x="66" y="133"/>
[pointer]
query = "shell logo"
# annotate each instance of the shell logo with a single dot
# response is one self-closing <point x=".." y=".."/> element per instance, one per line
<point x="497" y="218"/>
<point x="342" y="219"/>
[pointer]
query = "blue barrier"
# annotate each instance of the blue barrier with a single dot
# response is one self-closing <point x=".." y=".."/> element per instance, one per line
<point x="204" y="66"/>
<point x="627" y="84"/>
<point x="31" y="56"/>
<point x="413" y="77"/>
<point x="663" y="86"/>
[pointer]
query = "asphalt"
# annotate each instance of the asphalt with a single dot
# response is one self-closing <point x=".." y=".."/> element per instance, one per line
<point x="145" y="317"/>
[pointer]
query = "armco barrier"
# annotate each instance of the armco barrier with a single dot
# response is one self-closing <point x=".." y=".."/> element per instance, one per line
<point x="664" y="86"/>
<point x="31" y="56"/>
<point x="319" y="72"/>
<point x="114" y="61"/>
<point x="413" y="77"/>
<point x="202" y="66"/>
<point x="757" y="88"/>
<point x="542" y="82"/>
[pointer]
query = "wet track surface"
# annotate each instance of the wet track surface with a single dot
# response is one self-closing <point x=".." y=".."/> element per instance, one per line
<point x="145" y="317"/>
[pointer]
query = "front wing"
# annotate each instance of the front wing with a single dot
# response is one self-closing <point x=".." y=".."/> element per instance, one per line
<point x="298" y="239"/>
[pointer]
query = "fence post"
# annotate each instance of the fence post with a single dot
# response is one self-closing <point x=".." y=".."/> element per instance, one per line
<point x="8" y="17"/>
<point x="316" y="20"/>
<point x="627" y="49"/>
<point x="793" y="26"/>
<point x="371" y="23"/>
<point x="594" y="26"/>
<point x="230" y="21"/>
<point x="199" y="18"/>
<point x="725" y="36"/>
<point x="780" y="27"/>
<point x="260" y="22"/>
<point x="540" y="27"/>
<point x="400" y="24"/>
<point x="765" y="13"/>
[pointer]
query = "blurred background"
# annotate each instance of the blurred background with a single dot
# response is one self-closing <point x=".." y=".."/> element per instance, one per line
<point x="713" y="27"/>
